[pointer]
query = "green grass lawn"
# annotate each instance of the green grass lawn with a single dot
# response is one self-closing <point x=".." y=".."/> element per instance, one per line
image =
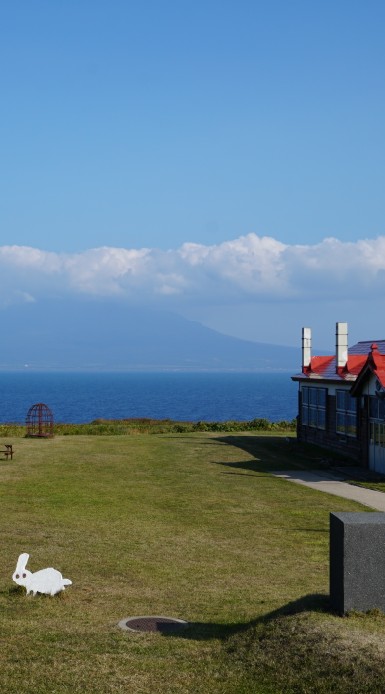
<point x="186" y="525"/>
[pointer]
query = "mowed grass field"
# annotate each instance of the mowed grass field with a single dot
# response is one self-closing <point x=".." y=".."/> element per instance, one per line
<point x="191" y="526"/>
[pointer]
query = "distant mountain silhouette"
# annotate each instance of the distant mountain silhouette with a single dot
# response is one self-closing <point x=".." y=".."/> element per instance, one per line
<point x="60" y="334"/>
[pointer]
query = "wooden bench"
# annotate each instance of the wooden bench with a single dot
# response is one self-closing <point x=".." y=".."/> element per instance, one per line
<point x="7" y="452"/>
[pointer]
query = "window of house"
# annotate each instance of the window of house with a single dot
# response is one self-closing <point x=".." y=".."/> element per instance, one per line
<point x="314" y="407"/>
<point x="346" y="413"/>
<point x="377" y="434"/>
<point x="376" y="408"/>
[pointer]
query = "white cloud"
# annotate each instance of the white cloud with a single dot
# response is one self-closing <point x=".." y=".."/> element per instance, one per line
<point x="105" y="271"/>
<point x="249" y="264"/>
<point x="27" y="258"/>
<point x="246" y="268"/>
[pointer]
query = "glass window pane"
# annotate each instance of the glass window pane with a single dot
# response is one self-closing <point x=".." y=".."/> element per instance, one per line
<point x="351" y="424"/>
<point x="340" y="423"/>
<point x="381" y="435"/>
<point x="341" y="400"/>
<point x="321" y="400"/>
<point x="351" y="404"/>
<point x="373" y="407"/>
<point x="314" y="401"/>
<point x="372" y="432"/>
<point x="321" y="419"/>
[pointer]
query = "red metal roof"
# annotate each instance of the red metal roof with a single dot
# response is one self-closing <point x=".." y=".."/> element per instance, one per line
<point x="361" y="355"/>
<point x="355" y="363"/>
<point x="375" y="364"/>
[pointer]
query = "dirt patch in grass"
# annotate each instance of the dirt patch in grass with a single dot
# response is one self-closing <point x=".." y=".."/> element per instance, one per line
<point x="311" y="654"/>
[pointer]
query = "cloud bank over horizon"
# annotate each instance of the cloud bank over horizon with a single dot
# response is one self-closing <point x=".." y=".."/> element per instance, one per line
<point x="248" y="268"/>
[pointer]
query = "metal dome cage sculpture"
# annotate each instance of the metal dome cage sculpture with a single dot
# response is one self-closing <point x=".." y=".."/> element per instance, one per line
<point x="39" y="421"/>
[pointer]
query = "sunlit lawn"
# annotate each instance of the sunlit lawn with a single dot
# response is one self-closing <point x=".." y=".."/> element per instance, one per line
<point x="189" y="526"/>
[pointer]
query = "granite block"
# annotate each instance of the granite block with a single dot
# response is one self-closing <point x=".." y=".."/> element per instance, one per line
<point x="357" y="561"/>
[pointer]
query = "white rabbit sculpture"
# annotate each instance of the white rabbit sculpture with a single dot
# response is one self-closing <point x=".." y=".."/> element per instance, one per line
<point x="49" y="581"/>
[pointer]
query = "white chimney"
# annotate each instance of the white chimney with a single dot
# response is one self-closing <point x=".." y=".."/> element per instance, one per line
<point x="306" y="348"/>
<point x="341" y="345"/>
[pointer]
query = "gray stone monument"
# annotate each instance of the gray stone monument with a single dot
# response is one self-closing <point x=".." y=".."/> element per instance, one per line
<point x="357" y="561"/>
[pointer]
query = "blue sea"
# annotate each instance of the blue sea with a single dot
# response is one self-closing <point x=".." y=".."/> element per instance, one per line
<point x="205" y="396"/>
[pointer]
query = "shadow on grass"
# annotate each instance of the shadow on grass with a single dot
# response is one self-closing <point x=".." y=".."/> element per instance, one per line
<point x="242" y="474"/>
<point x="13" y="591"/>
<point x="272" y="453"/>
<point x="201" y="631"/>
<point x="249" y="465"/>
<point x="269" y="453"/>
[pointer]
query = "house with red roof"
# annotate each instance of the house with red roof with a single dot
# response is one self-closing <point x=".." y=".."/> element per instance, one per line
<point x="341" y="398"/>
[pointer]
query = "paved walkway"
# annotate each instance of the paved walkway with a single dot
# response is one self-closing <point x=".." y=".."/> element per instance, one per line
<point x="335" y="484"/>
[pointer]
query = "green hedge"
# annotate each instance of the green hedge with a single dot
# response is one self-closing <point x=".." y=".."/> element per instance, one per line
<point x="115" y="427"/>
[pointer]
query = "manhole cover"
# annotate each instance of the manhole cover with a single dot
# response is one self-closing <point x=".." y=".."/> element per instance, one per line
<point x="163" y="625"/>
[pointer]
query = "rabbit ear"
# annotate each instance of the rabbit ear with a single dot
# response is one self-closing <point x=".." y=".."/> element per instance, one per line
<point x="22" y="562"/>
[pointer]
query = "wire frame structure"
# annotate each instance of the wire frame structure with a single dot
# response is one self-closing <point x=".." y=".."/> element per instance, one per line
<point x="39" y="421"/>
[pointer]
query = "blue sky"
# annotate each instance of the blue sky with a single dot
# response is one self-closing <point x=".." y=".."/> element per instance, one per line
<point x="153" y="125"/>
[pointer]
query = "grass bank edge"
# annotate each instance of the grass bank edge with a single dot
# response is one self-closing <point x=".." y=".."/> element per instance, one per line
<point x="117" y="427"/>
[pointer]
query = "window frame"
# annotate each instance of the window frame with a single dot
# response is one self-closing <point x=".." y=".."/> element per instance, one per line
<point x="346" y="414"/>
<point x="379" y="416"/>
<point x="314" y="400"/>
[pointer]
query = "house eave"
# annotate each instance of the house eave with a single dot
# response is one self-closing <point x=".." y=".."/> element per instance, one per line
<point x="308" y="378"/>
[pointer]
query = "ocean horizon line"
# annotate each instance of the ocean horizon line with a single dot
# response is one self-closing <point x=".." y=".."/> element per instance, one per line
<point x="150" y="370"/>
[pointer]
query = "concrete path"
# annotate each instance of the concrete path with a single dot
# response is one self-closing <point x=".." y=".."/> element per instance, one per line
<point x="334" y="484"/>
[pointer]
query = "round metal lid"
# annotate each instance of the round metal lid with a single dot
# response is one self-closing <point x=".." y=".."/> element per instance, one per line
<point x="162" y="625"/>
